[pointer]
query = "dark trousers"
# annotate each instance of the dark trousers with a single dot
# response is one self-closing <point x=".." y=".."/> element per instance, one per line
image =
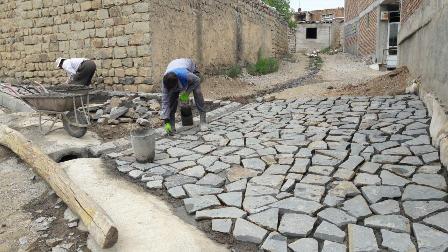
<point x="85" y="73"/>
<point x="198" y="100"/>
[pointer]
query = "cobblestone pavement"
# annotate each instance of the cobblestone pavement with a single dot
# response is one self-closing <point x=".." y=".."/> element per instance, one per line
<point x="308" y="175"/>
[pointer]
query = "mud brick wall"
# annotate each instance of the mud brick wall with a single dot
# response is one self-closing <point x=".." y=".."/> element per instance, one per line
<point x="133" y="40"/>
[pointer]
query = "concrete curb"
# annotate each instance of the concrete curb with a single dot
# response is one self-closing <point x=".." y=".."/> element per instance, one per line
<point x="14" y="104"/>
<point x="439" y="121"/>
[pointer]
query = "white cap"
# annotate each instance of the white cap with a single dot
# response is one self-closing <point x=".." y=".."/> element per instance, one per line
<point x="58" y="62"/>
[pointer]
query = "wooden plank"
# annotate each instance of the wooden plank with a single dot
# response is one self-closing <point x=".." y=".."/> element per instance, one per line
<point x="95" y="218"/>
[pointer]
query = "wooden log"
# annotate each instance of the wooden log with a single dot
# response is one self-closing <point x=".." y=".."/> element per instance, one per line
<point x="95" y="218"/>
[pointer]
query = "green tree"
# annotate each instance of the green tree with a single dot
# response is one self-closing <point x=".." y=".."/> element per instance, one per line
<point x="284" y="8"/>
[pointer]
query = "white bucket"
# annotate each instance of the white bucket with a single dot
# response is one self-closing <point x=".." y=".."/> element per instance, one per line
<point x="144" y="145"/>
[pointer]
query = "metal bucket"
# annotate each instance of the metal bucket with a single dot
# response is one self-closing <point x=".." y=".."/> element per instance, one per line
<point x="144" y="145"/>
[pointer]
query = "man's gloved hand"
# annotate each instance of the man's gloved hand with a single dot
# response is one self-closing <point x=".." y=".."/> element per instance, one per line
<point x="168" y="128"/>
<point x="184" y="97"/>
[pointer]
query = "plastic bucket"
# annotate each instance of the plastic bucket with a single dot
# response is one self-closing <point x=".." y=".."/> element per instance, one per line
<point x="186" y="115"/>
<point x="144" y="145"/>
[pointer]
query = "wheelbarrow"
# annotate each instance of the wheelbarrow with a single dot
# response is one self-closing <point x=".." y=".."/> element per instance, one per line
<point x="69" y="105"/>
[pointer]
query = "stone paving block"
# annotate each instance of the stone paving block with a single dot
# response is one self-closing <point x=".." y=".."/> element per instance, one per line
<point x="222" y="225"/>
<point x="429" y="239"/>
<point x="221" y="213"/>
<point x="369" y="167"/>
<point x="237" y="186"/>
<point x="357" y="207"/>
<point x="361" y="239"/>
<point x="402" y="170"/>
<point x="386" y="207"/>
<point x="211" y="179"/>
<point x="274" y="181"/>
<point x="330" y="232"/>
<point x="352" y="163"/>
<point x="419" y="209"/>
<point x="363" y="179"/>
<point x="275" y="242"/>
<point x="296" y="225"/>
<point x="194" y="190"/>
<point x="207" y="160"/>
<point x="254" y="163"/>
<point x="248" y="232"/>
<point x="396" y="223"/>
<point x="232" y="198"/>
<point x="411" y="160"/>
<point x="322" y="170"/>
<point x="399" y="242"/>
<point x="433" y="180"/>
<point x="300" y="165"/>
<point x="237" y="173"/>
<point x="296" y="205"/>
<point x="177" y="192"/>
<point x="309" y="192"/>
<point x="386" y="159"/>
<point x="217" y="167"/>
<point x="418" y="192"/>
<point x="374" y="194"/>
<point x="304" y="153"/>
<point x="253" y="204"/>
<point x="267" y="219"/>
<point x="277" y="169"/>
<point x="198" y="203"/>
<point x="196" y="172"/>
<point x="178" y="152"/>
<point x="430" y="157"/>
<point x="256" y="190"/>
<point x="344" y="174"/>
<point x="343" y="189"/>
<point x="315" y="179"/>
<point x="336" y="216"/>
<point x="304" y="244"/>
<point x="439" y="220"/>
<point x="319" y="159"/>
<point x="388" y="178"/>
<point x="333" y="247"/>
<point x="332" y="200"/>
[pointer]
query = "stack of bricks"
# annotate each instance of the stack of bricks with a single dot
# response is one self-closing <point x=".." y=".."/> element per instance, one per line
<point x="124" y="37"/>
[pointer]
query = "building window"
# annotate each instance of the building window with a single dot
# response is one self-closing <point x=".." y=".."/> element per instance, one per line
<point x="311" y="33"/>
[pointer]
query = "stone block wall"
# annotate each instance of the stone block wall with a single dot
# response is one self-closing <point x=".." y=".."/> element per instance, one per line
<point x="132" y="41"/>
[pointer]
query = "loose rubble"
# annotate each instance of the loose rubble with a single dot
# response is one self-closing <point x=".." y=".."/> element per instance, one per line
<point x="332" y="173"/>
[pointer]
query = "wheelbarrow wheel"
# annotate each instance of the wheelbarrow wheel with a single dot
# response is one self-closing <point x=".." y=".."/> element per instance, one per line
<point x="72" y="130"/>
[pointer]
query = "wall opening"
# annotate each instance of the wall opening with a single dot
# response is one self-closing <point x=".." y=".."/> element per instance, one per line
<point x="311" y="33"/>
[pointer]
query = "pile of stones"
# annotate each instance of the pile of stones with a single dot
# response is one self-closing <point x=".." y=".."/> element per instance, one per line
<point x="126" y="109"/>
<point x="332" y="174"/>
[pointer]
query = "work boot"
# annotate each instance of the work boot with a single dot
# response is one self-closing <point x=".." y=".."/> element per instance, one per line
<point x="203" y="122"/>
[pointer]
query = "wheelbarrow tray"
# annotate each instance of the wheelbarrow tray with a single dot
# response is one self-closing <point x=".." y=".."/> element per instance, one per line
<point x="56" y="102"/>
<point x="72" y="89"/>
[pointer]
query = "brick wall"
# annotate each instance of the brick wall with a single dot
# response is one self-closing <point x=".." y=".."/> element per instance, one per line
<point x="408" y="8"/>
<point x="132" y="40"/>
<point x="367" y="34"/>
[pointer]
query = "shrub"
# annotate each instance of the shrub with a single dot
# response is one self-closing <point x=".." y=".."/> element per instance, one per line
<point x="263" y="66"/>
<point x="233" y="71"/>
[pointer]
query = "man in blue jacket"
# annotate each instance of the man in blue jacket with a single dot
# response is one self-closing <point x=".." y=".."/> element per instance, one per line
<point x="180" y="79"/>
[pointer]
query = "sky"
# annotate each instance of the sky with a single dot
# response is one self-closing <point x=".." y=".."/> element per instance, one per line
<point x="308" y="5"/>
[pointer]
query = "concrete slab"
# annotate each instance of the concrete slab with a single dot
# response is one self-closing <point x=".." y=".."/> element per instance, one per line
<point x="145" y="222"/>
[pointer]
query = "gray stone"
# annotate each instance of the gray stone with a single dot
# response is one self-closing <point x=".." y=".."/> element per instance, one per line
<point x="211" y="180"/>
<point x="343" y="189"/>
<point x="370" y="167"/>
<point x="439" y="220"/>
<point x="155" y="184"/>
<point x="396" y="223"/>
<point x="178" y="180"/>
<point x="332" y="200"/>
<point x="222" y="225"/>
<point x="232" y="198"/>
<point x="220" y="213"/>
<point x="411" y="160"/>
<point x="418" y="192"/>
<point x="430" y="157"/>
<point x="352" y="163"/>
<point x="325" y="160"/>
<point x="196" y="172"/>
<point x="267" y="219"/>
<point x="253" y="204"/>
<point x="237" y="173"/>
<point x="231" y="159"/>
<point x="296" y="205"/>
<point x="429" y="239"/>
<point x="386" y="145"/>
<point x="338" y="154"/>
<point x="333" y="247"/>
<point x="357" y="207"/>
<point x="402" y="170"/>
<point x="422" y="149"/>
<point x="248" y="232"/>
<point x="194" y="190"/>
<point x="178" y="152"/>
<point x="135" y="174"/>
<point x="309" y="192"/>
<point x="70" y="216"/>
<point x="275" y="242"/>
<point x="433" y="180"/>
<point x="217" y="167"/>
<point x="421" y="140"/>
<point x="397" y="242"/>
<point x="204" y="149"/>
<point x="207" y="160"/>
<point x="318" y="145"/>
<point x="254" y="164"/>
<point x="386" y="207"/>
<point x="321" y="170"/>
<point x="255" y="190"/>
<point x="344" y="174"/>
<point x="374" y="194"/>
<point x="336" y="216"/>
<point x="386" y="159"/>
<point x="117" y="112"/>
<point x="328" y="231"/>
<point x="402" y="151"/>
<point x="177" y="192"/>
<point x="296" y="225"/>
<point x="315" y="179"/>
<point x="304" y="153"/>
<point x="304" y="244"/>
<point x="363" y="179"/>
<point x="388" y="178"/>
<point x="274" y="181"/>
<point x="286" y="149"/>
<point x="237" y="186"/>
<point x="300" y="165"/>
<point x="277" y="169"/>
<point x="201" y="202"/>
<point x="361" y="239"/>
<point x="418" y="209"/>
